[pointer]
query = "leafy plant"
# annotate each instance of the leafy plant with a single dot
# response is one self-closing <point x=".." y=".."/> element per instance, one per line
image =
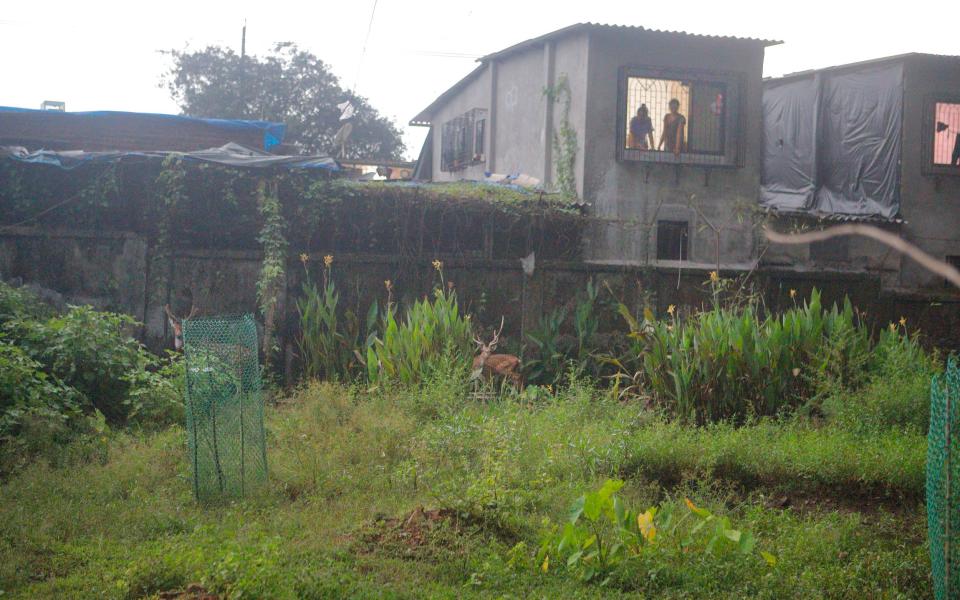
<point x="603" y="535"/>
<point x="328" y="346"/>
<point x="409" y="349"/>
<point x="89" y="351"/>
<point x="732" y="362"/>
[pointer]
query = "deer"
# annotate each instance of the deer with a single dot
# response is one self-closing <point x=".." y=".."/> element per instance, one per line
<point x="176" y="323"/>
<point x="490" y="365"/>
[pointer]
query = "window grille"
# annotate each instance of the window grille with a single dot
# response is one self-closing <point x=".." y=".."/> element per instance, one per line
<point x="672" y="240"/>
<point x="678" y="117"/>
<point x="462" y="140"/>
<point x="946" y="134"/>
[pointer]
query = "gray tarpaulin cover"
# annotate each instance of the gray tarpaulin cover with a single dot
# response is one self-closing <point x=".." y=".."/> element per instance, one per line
<point x="832" y="142"/>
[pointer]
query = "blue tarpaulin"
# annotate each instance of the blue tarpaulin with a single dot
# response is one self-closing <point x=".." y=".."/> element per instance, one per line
<point x="273" y="133"/>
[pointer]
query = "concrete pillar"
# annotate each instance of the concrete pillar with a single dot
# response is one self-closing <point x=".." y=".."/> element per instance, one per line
<point x="492" y="119"/>
<point x="549" y="53"/>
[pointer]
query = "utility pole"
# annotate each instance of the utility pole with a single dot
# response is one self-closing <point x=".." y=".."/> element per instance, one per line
<point x="243" y="59"/>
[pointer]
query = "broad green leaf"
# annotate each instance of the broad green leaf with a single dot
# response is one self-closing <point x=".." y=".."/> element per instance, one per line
<point x="747" y="543"/>
<point x="574" y="558"/>
<point x="577" y="509"/>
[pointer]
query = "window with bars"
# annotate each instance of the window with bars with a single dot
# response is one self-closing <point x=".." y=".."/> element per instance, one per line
<point x="462" y="140"/>
<point x="943" y="138"/>
<point x="678" y="116"/>
<point x="672" y="240"/>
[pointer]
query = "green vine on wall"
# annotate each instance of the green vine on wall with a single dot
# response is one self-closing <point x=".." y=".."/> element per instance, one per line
<point x="273" y="269"/>
<point x="564" y="139"/>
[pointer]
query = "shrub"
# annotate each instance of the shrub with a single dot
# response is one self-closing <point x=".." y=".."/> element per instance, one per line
<point x="410" y="350"/>
<point x="331" y="346"/>
<point x="88" y="350"/>
<point x="17" y="303"/>
<point x="734" y="363"/>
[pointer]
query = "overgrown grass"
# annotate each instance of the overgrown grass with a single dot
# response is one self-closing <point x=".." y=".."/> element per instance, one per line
<point x="344" y="463"/>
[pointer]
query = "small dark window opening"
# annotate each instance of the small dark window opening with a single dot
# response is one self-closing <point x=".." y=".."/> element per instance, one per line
<point x="953" y="261"/>
<point x="672" y="240"/>
<point x="833" y="250"/>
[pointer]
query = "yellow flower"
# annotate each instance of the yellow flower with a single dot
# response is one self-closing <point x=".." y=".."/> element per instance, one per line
<point x="903" y="321"/>
<point x="388" y="284"/>
<point x="793" y="293"/>
<point x="304" y="257"/>
<point x="328" y="260"/>
<point x="669" y="327"/>
<point x="437" y="264"/>
<point x="671" y="309"/>
<point x="893" y="327"/>
<point x="714" y="276"/>
<point x="645" y="523"/>
<point x="546" y="564"/>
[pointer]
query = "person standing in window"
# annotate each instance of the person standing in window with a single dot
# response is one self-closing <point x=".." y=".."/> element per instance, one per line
<point x="641" y="130"/>
<point x="674" y="123"/>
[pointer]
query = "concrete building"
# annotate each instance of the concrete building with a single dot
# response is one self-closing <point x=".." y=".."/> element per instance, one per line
<point x="879" y="142"/>
<point x="875" y="142"/>
<point x="559" y="108"/>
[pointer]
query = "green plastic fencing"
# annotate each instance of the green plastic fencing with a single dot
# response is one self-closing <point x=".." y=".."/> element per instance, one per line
<point x="943" y="482"/>
<point x="224" y="406"/>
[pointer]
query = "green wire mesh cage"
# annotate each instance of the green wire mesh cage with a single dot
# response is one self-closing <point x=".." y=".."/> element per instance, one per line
<point x="224" y="406"/>
<point x="943" y="482"/>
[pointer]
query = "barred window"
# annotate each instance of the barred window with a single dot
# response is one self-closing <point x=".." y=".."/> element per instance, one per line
<point x="678" y="116"/>
<point x="946" y="134"/>
<point x="462" y="140"/>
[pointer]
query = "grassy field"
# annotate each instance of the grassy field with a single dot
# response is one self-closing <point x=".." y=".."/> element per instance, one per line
<point x="427" y="493"/>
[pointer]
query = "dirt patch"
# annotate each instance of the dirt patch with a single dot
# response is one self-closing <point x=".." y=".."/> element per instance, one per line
<point x="421" y="533"/>
<point x="193" y="591"/>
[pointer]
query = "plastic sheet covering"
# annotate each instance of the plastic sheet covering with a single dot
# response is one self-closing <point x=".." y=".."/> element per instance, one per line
<point x="232" y="155"/>
<point x="850" y="156"/>
<point x="789" y="143"/>
<point x="273" y="133"/>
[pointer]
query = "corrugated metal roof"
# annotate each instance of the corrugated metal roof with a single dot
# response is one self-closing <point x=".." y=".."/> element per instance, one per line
<point x="946" y="58"/>
<point x="625" y="28"/>
<point x="423" y="118"/>
<point x="837" y="217"/>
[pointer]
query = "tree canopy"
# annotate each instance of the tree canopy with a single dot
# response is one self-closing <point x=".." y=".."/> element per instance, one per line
<point x="289" y="85"/>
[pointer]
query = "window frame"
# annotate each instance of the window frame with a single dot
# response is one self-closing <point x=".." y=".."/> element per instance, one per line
<point x="458" y="140"/>
<point x="927" y="133"/>
<point x="681" y="227"/>
<point x="731" y="133"/>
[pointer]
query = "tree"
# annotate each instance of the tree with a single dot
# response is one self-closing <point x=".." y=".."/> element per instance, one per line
<point x="290" y="86"/>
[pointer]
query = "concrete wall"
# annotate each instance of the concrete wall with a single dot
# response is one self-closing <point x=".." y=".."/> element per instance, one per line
<point x="109" y="270"/>
<point x="631" y="196"/>
<point x="520" y="125"/>
<point x="476" y="94"/>
<point x="930" y="204"/>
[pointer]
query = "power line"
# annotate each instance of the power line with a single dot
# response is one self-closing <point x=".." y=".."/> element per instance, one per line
<point x="363" y="52"/>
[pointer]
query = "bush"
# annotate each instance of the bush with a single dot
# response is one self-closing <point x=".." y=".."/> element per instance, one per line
<point x="89" y="351"/>
<point x="17" y="303"/>
<point x="735" y="363"/>
<point x="411" y="349"/>
<point x="897" y="391"/>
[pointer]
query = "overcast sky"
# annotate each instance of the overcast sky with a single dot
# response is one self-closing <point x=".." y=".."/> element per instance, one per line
<point x="105" y="55"/>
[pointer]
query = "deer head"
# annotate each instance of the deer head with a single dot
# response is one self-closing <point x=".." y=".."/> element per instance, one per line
<point x="487" y="348"/>
<point x="176" y="323"/>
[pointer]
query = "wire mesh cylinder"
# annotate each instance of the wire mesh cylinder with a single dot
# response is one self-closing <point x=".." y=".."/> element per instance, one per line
<point x="224" y="406"/>
<point x="943" y="483"/>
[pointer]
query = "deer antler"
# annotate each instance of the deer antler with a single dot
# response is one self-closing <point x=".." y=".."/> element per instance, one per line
<point x="193" y="311"/>
<point x="173" y="317"/>
<point x="478" y="341"/>
<point x="496" y="335"/>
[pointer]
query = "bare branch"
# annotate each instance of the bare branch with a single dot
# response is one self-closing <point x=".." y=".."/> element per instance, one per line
<point x="946" y="270"/>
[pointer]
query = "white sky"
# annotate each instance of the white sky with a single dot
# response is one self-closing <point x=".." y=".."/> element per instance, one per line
<point x="104" y="55"/>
